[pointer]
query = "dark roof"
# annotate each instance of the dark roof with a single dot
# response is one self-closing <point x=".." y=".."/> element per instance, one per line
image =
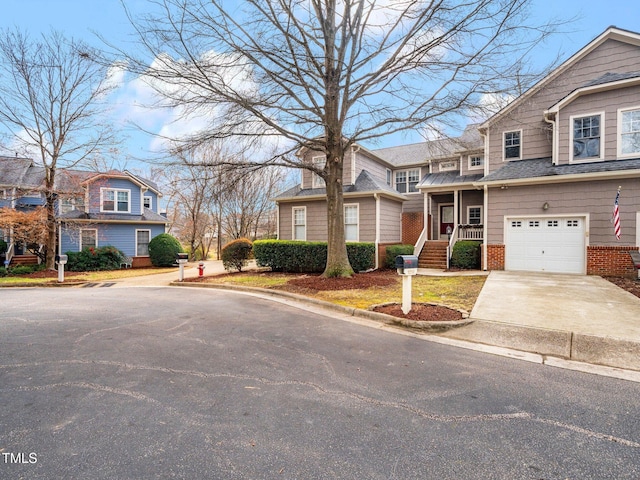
<point x="12" y="170"/>
<point x="149" y="216"/>
<point x="447" y="178"/>
<point x="610" y="77"/>
<point x="364" y="183"/>
<point x="543" y="167"/>
<point x="416" y="153"/>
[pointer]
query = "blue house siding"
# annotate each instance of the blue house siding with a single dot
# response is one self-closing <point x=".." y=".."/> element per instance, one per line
<point x="135" y="198"/>
<point x="121" y="236"/>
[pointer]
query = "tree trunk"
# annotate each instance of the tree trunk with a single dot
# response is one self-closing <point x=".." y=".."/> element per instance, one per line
<point x="51" y="224"/>
<point x="337" y="260"/>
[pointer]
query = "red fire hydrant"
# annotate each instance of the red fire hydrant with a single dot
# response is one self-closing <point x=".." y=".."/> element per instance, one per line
<point x="201" y="269"/>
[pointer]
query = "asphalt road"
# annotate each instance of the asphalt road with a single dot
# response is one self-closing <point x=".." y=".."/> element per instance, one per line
<point x="136" y="383"/>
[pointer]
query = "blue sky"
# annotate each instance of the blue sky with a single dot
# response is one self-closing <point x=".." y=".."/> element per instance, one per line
<point x="79" y="18"/>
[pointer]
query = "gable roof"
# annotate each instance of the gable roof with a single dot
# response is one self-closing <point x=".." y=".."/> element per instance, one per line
<point x="13" y="170"/>
<point x="364" y="184"/>
<point x="611" y="33"/>
<point x="418" y="153"/>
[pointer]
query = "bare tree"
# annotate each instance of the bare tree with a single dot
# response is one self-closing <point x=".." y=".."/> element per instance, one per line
<point x="50" y="96"/>
<point x="325" y="74"/>
<point x="250" y="201"/>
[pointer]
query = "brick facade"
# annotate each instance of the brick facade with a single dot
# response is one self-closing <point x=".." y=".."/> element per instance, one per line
<point x="610" y="261"/>
<point x="412" y="226"/>
<point x="495" y="257"/>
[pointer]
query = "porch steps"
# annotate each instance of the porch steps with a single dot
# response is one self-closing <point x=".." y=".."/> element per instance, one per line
<point x="433" y="255"/>
<point x="24" y="260"/>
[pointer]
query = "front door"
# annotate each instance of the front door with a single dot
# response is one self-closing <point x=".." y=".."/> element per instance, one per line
<point x="446" y="220"/>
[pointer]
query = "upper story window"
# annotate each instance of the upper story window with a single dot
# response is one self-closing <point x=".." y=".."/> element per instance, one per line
<point x="406" y="180"/>
<point x="115" y="200"/>
<point x="69" y="204"/>
<point x="512" y="145"/>
<point x="148" y="202"/>
<point x="316" y="180"/>
<point x="586" y="136"/>
<point x="476" y="162"/>
<point x="389" y="177"/>
<point x="629" y="132"/>
<point x="448" y="166"/>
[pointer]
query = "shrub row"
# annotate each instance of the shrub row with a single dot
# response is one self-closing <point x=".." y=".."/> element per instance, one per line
<point x="308" y="257"/>
<point x="92" y="259"/>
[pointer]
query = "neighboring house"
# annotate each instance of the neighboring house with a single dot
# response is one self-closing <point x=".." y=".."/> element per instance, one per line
<point x="94" y="209"/>
<point x="536" y="183"/>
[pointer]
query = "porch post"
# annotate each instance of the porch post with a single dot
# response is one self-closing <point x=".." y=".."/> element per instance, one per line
<point x="455" y="208"/>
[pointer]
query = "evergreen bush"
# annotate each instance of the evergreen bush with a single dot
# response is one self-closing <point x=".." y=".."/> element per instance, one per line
<point x="236" y="254"/>
<point x="94" y="259"/>
<point x="308" y="257"/>
<point x="466" y="254"/>
<point x="392" y="251"/>
<point x="163" y="250"/>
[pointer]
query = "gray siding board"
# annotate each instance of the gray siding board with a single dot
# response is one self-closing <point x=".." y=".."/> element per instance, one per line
<point x="593" y="198"/>
<point x="390" y="221"/>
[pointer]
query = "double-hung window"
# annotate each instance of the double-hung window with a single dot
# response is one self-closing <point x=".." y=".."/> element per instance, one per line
<point x="88" y="238"/>
<point x="629" y="132"/>
<point x="115" y="200"/>
<point x="512" y="145"/>
<point x="142" y="242"/>
<point x="351" y="223"/>
<point x="316" y="180"/>
<point x="586" y="136"/>
<point x="476" y="162"/>
<point x="147" y="202"/>
<point x="406" y="180"/>
<point x="299" y="223"/>
<point x="474" y="215"/>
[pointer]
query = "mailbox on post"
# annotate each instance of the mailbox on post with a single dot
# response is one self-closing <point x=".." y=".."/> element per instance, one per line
<point x="61" y="261"/>
<point x="407" y="264"/>
<point x="182" y="259"/>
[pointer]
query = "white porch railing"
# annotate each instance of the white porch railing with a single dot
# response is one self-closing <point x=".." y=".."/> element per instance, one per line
<point x="420" y="243"/>
<point x="471" y="232"/>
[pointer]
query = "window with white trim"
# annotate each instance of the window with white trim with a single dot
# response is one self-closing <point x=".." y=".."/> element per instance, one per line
<point x="88" y="238"/>
<point x="389" y="177"/>
<point x="474" y="215"/>
<point x="316" y="180"/>
<point x="147" y="202"/>
<point x="476" y="162"/>
<point x="299" y="223"/>
<point x="406" y="180"/>
<point x="351" y="214"/>
<point x="448" y="166"/>
<point x="512" y="145"/>
<point x="629" y="132"/>
<point x="142" y="242"/>
<point x="115" y="200"/>
<point x="586" y="132"/>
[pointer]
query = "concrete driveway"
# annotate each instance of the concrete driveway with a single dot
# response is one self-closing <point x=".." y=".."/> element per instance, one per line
<point x="586" y="318"/>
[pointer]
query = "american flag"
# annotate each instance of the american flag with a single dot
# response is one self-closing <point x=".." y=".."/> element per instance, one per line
<point x="616" y="216"/>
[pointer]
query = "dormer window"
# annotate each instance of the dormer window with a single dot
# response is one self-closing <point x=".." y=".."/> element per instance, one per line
<point x="316" y="180"/>
<point x="586" y="133"/>
<point x="115" y="200"/>
<point x="476" y="162"/>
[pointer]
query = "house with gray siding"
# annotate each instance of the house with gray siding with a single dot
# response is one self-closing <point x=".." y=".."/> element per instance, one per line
<point x="535" y="184"/>
<point x="116" y="209"/>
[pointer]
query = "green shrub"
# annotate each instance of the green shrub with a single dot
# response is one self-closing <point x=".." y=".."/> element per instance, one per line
<point x="236" y="254"/>
<point x="392" y="251"/>
<point x="22" y="269"/>
<point x="308" y="257"/>
<point x="466" y="254"/>
<point x="163" y="250"/>
<point x="92" y="259"/>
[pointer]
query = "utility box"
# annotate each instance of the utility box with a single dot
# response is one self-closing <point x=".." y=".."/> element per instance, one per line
<point x="407" y="264"/>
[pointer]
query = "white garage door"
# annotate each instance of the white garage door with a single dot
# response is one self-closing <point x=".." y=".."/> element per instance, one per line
<point x="545" y="244"/>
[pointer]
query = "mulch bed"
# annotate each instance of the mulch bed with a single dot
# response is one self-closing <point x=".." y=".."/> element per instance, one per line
<point x="378" y="278"/>
<point x="631" y="285"/>
<point x="422" y="312"/>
